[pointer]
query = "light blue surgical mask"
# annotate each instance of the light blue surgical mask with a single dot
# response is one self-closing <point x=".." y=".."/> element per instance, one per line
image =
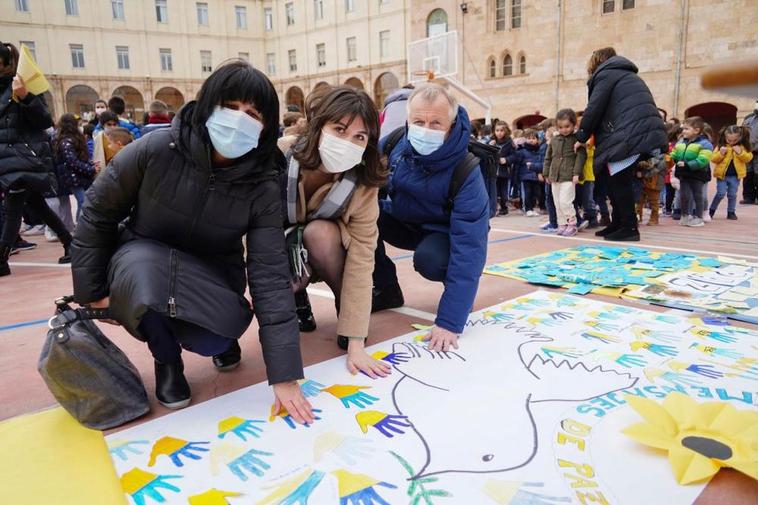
<point x="233" y="133"/>
<point x="424" y="140"/>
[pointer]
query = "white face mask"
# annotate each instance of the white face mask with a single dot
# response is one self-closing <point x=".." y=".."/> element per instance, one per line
<point x="233" y="133"/>
<point x="338" y="155"/>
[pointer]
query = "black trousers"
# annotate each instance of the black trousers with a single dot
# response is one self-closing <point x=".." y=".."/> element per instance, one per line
<point x="14" y="209"/>
<point x="750" y="182"/>
<point x="621" y="194"/>
<point x="167" y="337"/>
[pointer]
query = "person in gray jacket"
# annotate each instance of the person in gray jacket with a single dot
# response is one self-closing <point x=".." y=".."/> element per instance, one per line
<point x="174" y="272"/>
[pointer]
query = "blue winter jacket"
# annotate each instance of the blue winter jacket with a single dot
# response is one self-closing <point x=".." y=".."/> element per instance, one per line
<point x="531" y="154"/>
<point x="507" y="151"/>
<point x="417" y="193"/>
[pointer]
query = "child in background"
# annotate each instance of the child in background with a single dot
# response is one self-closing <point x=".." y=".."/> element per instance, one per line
<point x="653" y="172"/>
<point x="564" y="167"/>
<point x="731" y="157"/>
<point x="692" y="156"/>
<point x="585" y="200"/>
<point x="712" y="138"/>
<point x="108" y="121"/>
<point x="530" y="158"/>
<point x="502" y="139"/>
<point x="673" y="137"/>
<point x="116" y="139"/>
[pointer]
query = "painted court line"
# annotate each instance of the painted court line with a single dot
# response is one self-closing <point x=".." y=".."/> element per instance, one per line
<point x="627" y="244"/>
<point x="33" y="264"/>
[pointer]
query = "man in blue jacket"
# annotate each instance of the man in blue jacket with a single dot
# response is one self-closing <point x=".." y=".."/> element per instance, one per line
<point x="450" y="244"/>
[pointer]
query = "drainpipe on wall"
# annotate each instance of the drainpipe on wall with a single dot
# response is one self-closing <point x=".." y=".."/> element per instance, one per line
<point x="683" y="23"/>
<point x="558" y="55"/>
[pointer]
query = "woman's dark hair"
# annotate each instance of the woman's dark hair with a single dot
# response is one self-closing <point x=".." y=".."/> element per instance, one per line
<point x="89" y="129"/>
<point x="331" y="104"/>
<point x="9" y="57"/>
<point x="599" y="57"/>
<point x="566" y="115"/>
<point x="68" y="130"/>
<point x="744" y="133"/>
<point x="232" y="81"/>
<point x="673" y="132"/>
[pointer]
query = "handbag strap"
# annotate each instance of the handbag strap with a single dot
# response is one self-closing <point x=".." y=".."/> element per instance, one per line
<point x="68" y="316"/>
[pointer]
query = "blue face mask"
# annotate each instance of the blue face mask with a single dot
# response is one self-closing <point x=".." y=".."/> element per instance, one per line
<point x="233" y="133"/>
<point x="424" y="140"/>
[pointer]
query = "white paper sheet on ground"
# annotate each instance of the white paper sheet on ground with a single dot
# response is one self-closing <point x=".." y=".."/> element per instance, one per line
<point x="528" y="411"/>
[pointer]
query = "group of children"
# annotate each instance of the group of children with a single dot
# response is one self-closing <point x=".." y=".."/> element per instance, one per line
<point x="541" y="168"/>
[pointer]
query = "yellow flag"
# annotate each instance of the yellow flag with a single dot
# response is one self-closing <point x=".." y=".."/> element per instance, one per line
<point x="32" y="75"/>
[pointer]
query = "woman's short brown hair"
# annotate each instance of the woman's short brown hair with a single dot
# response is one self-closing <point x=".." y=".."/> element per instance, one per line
<point x="599" y="56"/>
<point x="330" y="104"/>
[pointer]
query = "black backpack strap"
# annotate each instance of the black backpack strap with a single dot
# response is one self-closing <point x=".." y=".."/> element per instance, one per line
<point x="392" y="139"/>
<point x="460" y="174"/>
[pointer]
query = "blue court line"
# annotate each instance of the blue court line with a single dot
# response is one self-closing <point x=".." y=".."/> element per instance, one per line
<point x="396" y="258"/>
<point x="498" y="241"/>
<point x="22" y="325"/>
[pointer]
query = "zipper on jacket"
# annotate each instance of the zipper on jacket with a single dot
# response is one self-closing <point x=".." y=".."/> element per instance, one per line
<point x="210" y="187"/>
<point x="173" y="260"/>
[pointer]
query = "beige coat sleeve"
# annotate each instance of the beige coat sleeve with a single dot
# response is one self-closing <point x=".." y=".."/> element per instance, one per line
<point x="357" y="281"/>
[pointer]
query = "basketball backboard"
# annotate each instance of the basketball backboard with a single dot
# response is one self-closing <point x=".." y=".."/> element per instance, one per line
<point x="433" y="57"/>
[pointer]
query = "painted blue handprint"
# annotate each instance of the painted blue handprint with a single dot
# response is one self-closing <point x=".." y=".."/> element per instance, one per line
<point x="358" y="489"/>
<point x="386" y="424"/>
<point x="287" y="418"/>
<point x="240" y="427"/>
<point x="122" y="449"/>
<point x="393" y="358"/>
<point x="704" y="370"/>
<point x="311" y="388"/>
<point x="663" y="318"/>
<point x="140" y="485"/>
<point x="715" y="335"/>
<point x="658" y="349"/>
<point x="251" y="463"/>
<point x="561" y="316"/>
<point x="175" y="449"/>
<point x="351" y="395"/>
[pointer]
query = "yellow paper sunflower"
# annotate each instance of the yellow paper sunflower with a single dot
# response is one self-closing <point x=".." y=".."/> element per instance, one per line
<point x="700" y="437"/>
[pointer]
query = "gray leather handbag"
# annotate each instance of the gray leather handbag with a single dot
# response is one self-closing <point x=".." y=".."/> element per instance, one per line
<point x="87" y="373"/>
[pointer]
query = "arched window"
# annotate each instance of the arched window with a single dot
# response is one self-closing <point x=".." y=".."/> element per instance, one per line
<point x="436" y="23"/>
<point x="507" y="65"/>
<point x="522" y="64"/>
<point x="492" y="68"/>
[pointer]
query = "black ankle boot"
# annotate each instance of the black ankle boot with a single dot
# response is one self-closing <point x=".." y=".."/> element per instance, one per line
<point x="388" y="297"/>
<point x="304" y="313"/>
<point x="229" y="359"/>
<point x="607" y="230"/>
<point x="66" y="258"/>
<point x="171" y="387"/>
<point x="342" y="342"/>
<point x="624" y="235"/>
<point x="5" y="252"/>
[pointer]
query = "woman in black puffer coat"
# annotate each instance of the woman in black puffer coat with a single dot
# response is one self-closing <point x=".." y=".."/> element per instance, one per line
<point x="26" y="164"/>
<point x="174" y="273"/>
<point x="628" y="128"/>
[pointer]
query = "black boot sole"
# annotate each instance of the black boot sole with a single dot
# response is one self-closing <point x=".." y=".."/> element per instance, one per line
<point x="342" y="342"/>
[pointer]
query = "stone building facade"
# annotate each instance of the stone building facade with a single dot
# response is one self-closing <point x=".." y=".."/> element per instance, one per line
<point x="671" y="41"/>
<point x="163" y="49"/>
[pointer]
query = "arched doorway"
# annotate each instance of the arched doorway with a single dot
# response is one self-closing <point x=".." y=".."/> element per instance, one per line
<point x="528" y="121"/>
<point x="716" y="114"/>
<point x="171" y="97"/>
<point x="355" y="83"/>
<point x="80" y="99"/>
<point x="50" y="105"/>
<point x="319" y="85"/>
<point x="384" y="85"/>
<point x="135" y="105"/>
<point x="295" y="96"/>
<point x="436" y="23"/>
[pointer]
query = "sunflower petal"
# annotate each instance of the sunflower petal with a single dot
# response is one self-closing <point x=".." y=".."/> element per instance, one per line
<point x="707" y="413"/>
<point x="650" y="435"/>
<point x="690" y="466"/>
<point x="680" y="407"/>
<point x="737" y="423"/>
<point x="653" y="414"/>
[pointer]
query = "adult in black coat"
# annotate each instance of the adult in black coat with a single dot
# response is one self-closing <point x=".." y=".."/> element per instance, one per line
<point x="26" y="163"/>
<point x="174" y="272"/>
<point x="628" y="128"/>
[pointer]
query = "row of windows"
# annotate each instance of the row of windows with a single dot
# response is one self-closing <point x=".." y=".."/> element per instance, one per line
<point x="122" y="55"/>
<point x="506" y="67"/>
<point x="352" y="53"/>
<point x="436" y="22"/>
<point x="203" y="18"/>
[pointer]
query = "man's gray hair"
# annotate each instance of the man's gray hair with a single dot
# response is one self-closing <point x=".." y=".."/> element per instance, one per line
<point x="429" y="92"/>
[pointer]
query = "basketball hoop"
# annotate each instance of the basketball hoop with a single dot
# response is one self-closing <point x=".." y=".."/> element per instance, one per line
<point x="421" y="75"/>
